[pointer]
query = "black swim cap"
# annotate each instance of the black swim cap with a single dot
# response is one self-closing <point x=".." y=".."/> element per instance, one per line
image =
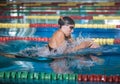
<point x="65" y="21"/>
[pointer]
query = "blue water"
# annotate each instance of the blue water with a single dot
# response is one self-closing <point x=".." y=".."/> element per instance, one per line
<point x="109" y="54"/>
<point x="106" y="59"/>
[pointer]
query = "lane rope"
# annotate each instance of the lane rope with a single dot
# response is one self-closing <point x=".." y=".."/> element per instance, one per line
<point x="42" y="25"/>
<point x="54" y="76"/>
<point x="100" y="41"/>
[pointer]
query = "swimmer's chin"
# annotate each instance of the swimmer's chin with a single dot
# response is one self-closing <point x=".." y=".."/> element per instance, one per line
<point x="67" y="35"/>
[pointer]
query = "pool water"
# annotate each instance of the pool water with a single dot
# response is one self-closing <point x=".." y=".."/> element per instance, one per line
<point x="103" y="60"/>
<point x="87" y="61"/>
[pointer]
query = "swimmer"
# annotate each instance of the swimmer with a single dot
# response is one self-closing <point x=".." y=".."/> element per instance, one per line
<point x="59" y="39"/>
<point x="62" y="35"/>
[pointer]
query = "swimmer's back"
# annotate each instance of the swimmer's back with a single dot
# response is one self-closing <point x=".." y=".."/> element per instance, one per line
<point x="57" y="39"/>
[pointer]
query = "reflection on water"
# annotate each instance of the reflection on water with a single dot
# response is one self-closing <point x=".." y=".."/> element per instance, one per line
<point x="70" y="65"/>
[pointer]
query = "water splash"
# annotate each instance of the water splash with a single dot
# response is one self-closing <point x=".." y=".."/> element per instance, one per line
<point x="44" y="51"/>
<point x="35" y="52"/>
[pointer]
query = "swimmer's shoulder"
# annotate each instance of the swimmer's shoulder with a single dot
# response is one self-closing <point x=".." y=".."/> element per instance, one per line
<point x="58" y="34"/>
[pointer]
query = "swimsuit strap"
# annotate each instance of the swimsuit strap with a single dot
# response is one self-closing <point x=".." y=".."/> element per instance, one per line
<point x="51" y="49"/>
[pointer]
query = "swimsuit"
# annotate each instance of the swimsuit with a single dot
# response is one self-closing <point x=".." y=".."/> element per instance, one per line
<point x="51" y="49"/>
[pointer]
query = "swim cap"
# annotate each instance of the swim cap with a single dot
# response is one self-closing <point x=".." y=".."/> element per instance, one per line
<point x="65" y="21"/>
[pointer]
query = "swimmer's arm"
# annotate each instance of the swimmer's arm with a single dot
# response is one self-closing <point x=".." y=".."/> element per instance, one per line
<point x="94" y="44"/>
<point x="83" y="45"/>
<point x="87" y="44"/>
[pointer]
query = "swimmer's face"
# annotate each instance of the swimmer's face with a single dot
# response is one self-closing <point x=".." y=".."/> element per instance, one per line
<point x="68" y="29"/>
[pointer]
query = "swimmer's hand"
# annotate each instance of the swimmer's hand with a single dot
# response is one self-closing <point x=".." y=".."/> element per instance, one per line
<point x="94" y="45"/>
<point x="82" y="45"/>
<point x="89" y="44"/>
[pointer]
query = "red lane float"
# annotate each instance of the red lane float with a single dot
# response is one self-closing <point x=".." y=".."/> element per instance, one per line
<point x="43" y="25"/>
<point x="108" y="8"/>
<point x="13" y="9"/>
<point x="116" y="41"/>
<point x="35" y="25"/>
<point x="5" y="39"/>
<point x="117" y="3"/>
<point x="82" y="17"/>
<point x="11" y="17"/>
<point x="117" y="26"/>
<point x="98" y="78"/>
<point x="42" y="12"/>
<point x="102" y="12"/>
<point x="45" y="39"/>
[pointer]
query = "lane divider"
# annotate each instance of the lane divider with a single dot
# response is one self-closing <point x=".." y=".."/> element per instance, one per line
<point x="54" y="76"/>
<point x="87" y="17"/>
<point x="57" y="17"/>
<point x="100" y="41"/>
<point x="21" y="17"/>
<point x="67" y="8"/>
<point x="40" y="8"/>
<point x="99" y="8"/>
<point x="62" y="4"/>
<point x="11" y="17"/>
<point x="5" y="39"/>
<point x="58" y="12"/>
<point x="108" y="41"/>
<point x="14" y="25"/>
<point x="37" y="25"/>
